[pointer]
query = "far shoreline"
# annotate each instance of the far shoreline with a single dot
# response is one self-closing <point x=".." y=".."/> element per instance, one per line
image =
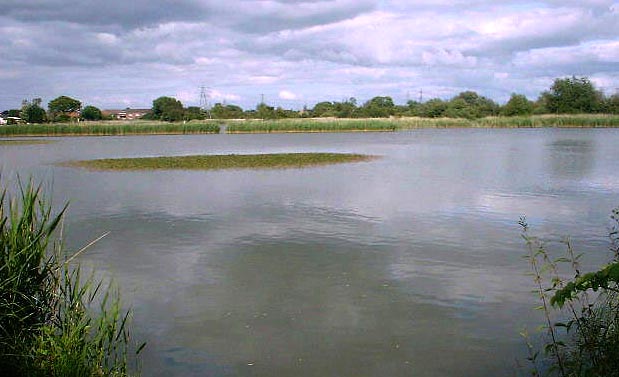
<point x="303" y="125"/>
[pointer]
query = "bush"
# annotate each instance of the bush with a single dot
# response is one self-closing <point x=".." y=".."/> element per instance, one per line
<point x="47" y="324"/>
<point x="91" y="113"/>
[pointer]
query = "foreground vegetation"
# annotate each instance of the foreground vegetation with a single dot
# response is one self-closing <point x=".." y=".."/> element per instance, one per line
<point x="110" y="129"/>
<point x="53" y="320"/>
<point x="581" y="314"/>
<point x="216" y="162"/>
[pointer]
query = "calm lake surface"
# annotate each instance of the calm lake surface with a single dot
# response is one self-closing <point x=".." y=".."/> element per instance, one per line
<point x="408" y="265"/>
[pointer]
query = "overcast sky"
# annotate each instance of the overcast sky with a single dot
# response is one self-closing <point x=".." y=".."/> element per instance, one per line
<point x="125" y="53"/>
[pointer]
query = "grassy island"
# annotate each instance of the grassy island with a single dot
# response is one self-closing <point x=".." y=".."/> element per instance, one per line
<point x="217" y="162"/>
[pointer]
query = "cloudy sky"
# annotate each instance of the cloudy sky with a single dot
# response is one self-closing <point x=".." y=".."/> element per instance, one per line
<point x="125" y="53"/>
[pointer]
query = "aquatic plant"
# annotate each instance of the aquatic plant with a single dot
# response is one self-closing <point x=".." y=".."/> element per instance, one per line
<point x="216" y="162"/>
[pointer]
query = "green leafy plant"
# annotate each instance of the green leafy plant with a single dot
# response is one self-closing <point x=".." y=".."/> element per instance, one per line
<point x="581" y="313"/>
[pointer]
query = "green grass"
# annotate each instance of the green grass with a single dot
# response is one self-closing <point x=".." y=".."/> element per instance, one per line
<point x="53" y="321"/>
<point x="216" y="162"/>
<point x="110" y="128"/>
<point x="24" y="142"/>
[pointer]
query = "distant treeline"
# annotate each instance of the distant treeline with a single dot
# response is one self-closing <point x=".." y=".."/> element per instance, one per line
<point x="572" y="95"/>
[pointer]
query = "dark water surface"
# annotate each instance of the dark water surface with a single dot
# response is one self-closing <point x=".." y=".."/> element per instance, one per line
<point x="409" y="265"/>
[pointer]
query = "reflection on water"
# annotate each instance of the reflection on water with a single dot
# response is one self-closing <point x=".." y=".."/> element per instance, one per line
<point x="571" y="158"/>
<point x="377" y="268"/>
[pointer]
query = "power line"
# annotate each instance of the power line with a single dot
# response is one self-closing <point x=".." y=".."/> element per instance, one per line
<point x="205" y="94"/>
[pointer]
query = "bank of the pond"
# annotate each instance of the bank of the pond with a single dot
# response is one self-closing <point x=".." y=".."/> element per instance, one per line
<point x="307" y="125"/>
<point x="218" y="162"/>
<point x="109" y="129"/>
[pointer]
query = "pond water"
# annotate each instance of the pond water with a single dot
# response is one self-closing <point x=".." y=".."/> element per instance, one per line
<point x="410" y="264"/>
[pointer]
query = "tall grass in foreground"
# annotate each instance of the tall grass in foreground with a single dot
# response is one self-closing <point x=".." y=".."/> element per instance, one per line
<point x="53" y="320"/>
<point x="581" y="314"/>
<point x="109" y="129"/>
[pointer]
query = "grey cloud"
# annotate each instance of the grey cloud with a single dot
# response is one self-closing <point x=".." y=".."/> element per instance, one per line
<point x="128" y="52"/>
<point x="258" y="17"/>
<point x="130" y="14"/>
<point x="253" y="16"/>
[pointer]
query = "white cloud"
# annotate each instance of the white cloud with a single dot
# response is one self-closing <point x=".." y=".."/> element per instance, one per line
<point x="327" y="50"/>
<point x="287" y="95"/>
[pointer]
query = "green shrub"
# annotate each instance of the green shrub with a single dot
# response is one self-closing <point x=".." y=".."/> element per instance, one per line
<point x="581" y="314"/>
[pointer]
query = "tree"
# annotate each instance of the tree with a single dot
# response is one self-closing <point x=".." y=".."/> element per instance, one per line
<point x="434" y="108"/>
<point x="460" y="108"/>
<point x="194" y="112"/>
<point x="573" y="95"/>
<point x="264" y="111"/>
<point x="220" y="111"/>
<point x="324" y="109"/>
<point x="33" y="113"/>
<point x="346" y="109"/>
<point x="379" y="107"/>
<point x="63" y="108"/>
<point x="168" y="109"/>
<point x="518" y="104"/>
<point x="476" y="106"/>
<point x="91" y="113"/>
<point x="13" y="113"/>
<point x="413" y="108"/>
<point x="612" y="104"/>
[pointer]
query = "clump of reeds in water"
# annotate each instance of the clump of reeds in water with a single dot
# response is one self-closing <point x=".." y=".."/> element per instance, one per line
<point x="53" y="320"/>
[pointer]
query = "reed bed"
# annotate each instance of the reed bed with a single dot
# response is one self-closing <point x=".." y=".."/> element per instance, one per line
<point x="110" y="129"/>
<point x="217" y="162"/>
<point x="311" y="125"/>
<point x="535" y="121"/>
<point x="408" y="123"/>
<point x="552" y="121"/>
<point x="53" y="320"/>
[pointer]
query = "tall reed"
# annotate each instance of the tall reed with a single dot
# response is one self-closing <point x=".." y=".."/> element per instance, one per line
<point x="109" y="129"/>
<point x="53" y="320"/>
